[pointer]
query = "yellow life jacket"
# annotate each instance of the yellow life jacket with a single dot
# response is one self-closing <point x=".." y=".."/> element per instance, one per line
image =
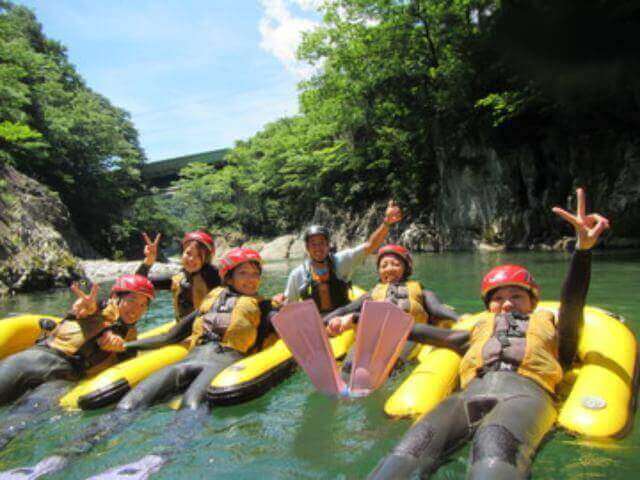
<point x="406" y="295"/>
<point x="529" y="347"/>
<point x="186" y="300"/>
<point x="228" y="317"/>
<point x="77" y="339"/>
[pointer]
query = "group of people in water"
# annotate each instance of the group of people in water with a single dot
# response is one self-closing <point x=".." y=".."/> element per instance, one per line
<point x="513" y="358"/>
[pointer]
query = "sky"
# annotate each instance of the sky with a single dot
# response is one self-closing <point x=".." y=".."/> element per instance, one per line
<point x="195" y="75"/>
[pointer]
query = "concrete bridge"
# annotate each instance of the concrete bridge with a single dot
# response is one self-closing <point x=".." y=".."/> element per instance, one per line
<point x="160" y="174"/>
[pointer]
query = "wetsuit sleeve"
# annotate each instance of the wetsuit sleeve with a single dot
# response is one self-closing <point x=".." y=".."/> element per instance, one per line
<point x="457" y="340"/>
<point x="436" y="309"/>
<point x="265" y="329"/>
<point x="160" y="282"/>
<point x="179" y="331"/>
<point x="353" y="307"/>
<point x="211" y="276"/>
<point x="572" y="301"/>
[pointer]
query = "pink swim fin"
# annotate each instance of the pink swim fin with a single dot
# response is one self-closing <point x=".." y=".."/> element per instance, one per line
<point x="300" y="327"/>
<point x="383" y="330"/>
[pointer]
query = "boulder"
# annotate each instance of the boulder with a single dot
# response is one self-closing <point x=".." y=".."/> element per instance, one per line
<point x="34" y="227"/>
<point x="277" y="249"/>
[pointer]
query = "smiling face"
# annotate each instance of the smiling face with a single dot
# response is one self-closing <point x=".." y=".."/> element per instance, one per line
<point x="391" y="269"/>
<point x="318" y="248"/>
<point x="132" y="307"/>
<point x="245" y="278"/>
<point x="511" y="299"/>
<point x="193" y="257"/>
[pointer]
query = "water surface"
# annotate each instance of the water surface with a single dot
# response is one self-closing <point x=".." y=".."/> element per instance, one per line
<point x="294" y="432"/>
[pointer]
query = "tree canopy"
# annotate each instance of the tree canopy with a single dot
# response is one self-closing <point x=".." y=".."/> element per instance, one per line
<point x="403" y="87"/>
<point x="54" y="128"/>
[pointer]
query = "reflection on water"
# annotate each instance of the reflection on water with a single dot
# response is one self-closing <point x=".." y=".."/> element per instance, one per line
<point x="294" y="432"/>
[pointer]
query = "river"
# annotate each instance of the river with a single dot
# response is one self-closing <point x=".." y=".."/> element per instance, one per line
<point x="294" y="432"/>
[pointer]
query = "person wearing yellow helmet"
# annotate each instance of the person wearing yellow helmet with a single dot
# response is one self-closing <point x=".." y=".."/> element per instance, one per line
<point x="513" y="360"/>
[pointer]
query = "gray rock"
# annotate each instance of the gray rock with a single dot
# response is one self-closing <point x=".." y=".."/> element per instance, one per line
<point x="104" y="270"/>
<point x="34" y="251"/>
<point x="297" y="249"/>
<point x="277" y="249"/>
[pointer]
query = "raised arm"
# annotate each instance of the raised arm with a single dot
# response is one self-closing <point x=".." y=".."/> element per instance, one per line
<point x="392" y="215"/>
<point x="588" y="229"/>
<point x="160" y="282"/>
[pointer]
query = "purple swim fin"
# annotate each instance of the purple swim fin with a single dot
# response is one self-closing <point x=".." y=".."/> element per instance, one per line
<point x="300" y="327"/>
<point x="383" y="330"/>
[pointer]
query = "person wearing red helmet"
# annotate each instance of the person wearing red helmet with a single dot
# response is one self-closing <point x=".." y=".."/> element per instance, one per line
<point x="230" y="323"/>
<point x="513" y="360"/>
<point x="395" y="266"/>
<point x="83" y="343"/>
<point x="197" y="276"/>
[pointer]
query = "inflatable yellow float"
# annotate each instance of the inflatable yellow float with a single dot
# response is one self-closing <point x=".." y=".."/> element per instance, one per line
<point x="599" y="390"/>
<point x="245" y="379"/>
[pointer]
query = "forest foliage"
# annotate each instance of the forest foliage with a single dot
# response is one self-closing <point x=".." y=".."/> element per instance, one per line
<point x="400" y="89"/>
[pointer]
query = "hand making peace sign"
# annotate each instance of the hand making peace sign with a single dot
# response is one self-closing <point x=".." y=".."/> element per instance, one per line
<point x="86" y="304"/>
<point x="588" y="227"/>
<point x="150" y="249"/>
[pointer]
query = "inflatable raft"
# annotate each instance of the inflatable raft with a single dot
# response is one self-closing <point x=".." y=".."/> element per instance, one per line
<point x="254" y="375"/>
<point x="113" y="383"/>
<point x="245" y="379"/>
<point x="598" y="393"/>
<point x="18" y="333"/>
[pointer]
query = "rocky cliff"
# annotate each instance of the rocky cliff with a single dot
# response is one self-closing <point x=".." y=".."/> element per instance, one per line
<point x="38" y="243"/>
<point x="493" y="200"/>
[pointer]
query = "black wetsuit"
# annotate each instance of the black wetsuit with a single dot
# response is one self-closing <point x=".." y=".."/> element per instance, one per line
<point x="505" y="413"/>
<point x="208" y="272"/>
<point x="196" y="371"/>
<point x="432" y="305"/>
<point x="39" y="364"/>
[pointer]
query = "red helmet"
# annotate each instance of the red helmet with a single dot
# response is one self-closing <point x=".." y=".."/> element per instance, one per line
<point x="398" y="251"/>
<point x="508" y="276"/>
<point x="201" y="237"/>
<point x="133" y="284"/>
<point x="238" y="256"/>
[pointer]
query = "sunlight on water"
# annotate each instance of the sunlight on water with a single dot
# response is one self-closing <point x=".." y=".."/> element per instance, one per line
<point x="293" y="432"/>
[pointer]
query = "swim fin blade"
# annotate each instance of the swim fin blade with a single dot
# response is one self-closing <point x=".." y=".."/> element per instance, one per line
<point x="300" y="327"/>
<point x="383" y="330"/>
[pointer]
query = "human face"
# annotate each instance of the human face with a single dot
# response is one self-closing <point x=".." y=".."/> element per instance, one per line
<point x="511" y="299"/>
<point x="318" y="248"/>
<point x="192" y="257"/>
<point x="390" y="269"/>
<point x="132" y="306"/>
<point x="245" y="278"/>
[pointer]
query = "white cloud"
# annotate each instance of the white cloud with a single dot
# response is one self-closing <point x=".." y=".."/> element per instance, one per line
<point x="281" y="32"/>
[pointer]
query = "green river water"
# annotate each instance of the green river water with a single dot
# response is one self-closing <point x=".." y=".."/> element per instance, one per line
<point x="294" y="432"/>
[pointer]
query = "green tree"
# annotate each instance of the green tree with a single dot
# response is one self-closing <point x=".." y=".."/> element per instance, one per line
<point x="57" y="130"/>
